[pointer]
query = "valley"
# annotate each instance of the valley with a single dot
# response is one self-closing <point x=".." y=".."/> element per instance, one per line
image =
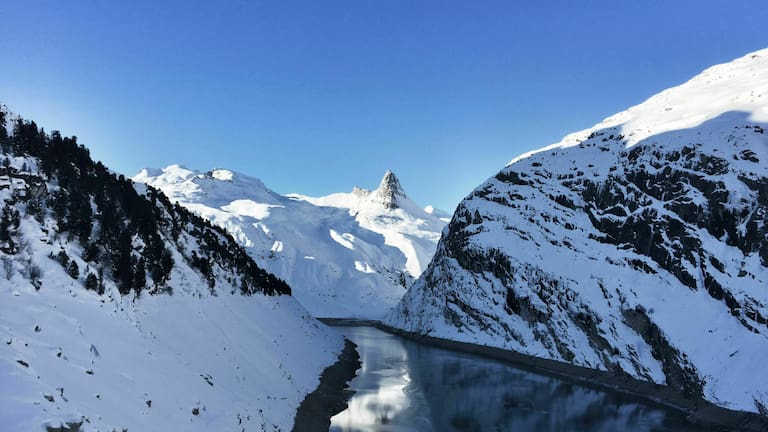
<point x="614" y="280"/>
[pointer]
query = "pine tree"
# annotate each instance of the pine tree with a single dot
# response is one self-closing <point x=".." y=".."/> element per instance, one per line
<point x="139" y="277"/>
<point x="91" y="282"/>
<point x="122" y="263"/>
<point x="91" y="252"/>
<point x="80" y="217"/>
<point x="5" y="144"/>
<point x="63" y="258"/>
<point x="73" y="270"/>
<point x="5" y="223"/>
<point x="60" y="206"/>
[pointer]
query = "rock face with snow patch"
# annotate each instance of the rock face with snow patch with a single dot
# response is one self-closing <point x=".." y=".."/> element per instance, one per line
<point x="638" y="246"/>
<point x="390" y="191"/>
<point x="344" y="255"/>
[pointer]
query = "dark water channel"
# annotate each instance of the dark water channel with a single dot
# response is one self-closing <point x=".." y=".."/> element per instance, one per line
<point x="407" y="386"/>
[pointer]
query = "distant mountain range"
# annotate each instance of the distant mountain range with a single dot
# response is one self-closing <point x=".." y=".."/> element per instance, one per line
<point x="345" y="255"/>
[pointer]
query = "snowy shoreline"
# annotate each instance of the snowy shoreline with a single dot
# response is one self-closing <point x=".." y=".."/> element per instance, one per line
<point x="331" y="395"/>
<point x="698" y="410"/>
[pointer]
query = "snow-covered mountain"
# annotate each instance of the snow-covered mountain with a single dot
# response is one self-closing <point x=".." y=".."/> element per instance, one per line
<point x="344" y="255"/>
<point x="639" y="245"/>
<point x="121" y="311"/>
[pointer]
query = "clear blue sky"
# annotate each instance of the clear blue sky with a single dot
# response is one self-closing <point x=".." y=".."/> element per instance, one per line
<point x="318" y="96"/>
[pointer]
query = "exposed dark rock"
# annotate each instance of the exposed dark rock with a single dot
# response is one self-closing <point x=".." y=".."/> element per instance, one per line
<point x="389" y="191"/>
<point x="679" y="373"/>
<point x="331" y="396"/>
<point x="68" y="427"/>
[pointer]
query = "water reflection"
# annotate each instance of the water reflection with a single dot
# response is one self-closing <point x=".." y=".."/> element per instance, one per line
<point x="405" y="386"/>
<point x="385" y="398"/>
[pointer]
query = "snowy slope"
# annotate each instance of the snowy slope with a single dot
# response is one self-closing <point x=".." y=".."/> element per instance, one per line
<point x="189" y="353"/>
<point x="344" y="255"/>
<point x="388" y="211"/>
<point x="638" y="245"/>
<point x="105" y="359"/>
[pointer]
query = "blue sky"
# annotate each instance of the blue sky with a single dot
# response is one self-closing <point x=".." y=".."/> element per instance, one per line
<point x="318" y="96"/>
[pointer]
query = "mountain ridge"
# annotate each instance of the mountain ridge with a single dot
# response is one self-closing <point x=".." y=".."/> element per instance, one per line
<point x="120" y="310"/>
<point x="345" y="254"/>
<point x="636" y="246"/>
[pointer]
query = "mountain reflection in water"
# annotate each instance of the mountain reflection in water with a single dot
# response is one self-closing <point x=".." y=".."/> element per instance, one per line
<point x="407" y="386"/>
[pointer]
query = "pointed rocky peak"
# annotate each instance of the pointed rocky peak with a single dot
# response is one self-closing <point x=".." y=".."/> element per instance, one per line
<point x="389" y="190"/>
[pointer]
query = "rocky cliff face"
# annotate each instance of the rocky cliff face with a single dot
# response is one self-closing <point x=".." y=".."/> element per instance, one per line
<point x="638" y="245"/>
<point x="389" y="191"/>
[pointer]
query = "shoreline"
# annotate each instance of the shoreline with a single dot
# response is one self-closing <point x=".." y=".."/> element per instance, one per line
<point x="331" y="395"/>
<point x="697" y="410"/>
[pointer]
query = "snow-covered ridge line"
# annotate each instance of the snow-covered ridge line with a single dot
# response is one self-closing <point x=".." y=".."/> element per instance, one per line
<point x="673" y="109"/>
<point x="346" y="254"/>
<point x="638" y="245"/>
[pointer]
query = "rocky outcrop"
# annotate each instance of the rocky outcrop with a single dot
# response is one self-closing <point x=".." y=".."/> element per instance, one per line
<point x="389" y="191"/>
